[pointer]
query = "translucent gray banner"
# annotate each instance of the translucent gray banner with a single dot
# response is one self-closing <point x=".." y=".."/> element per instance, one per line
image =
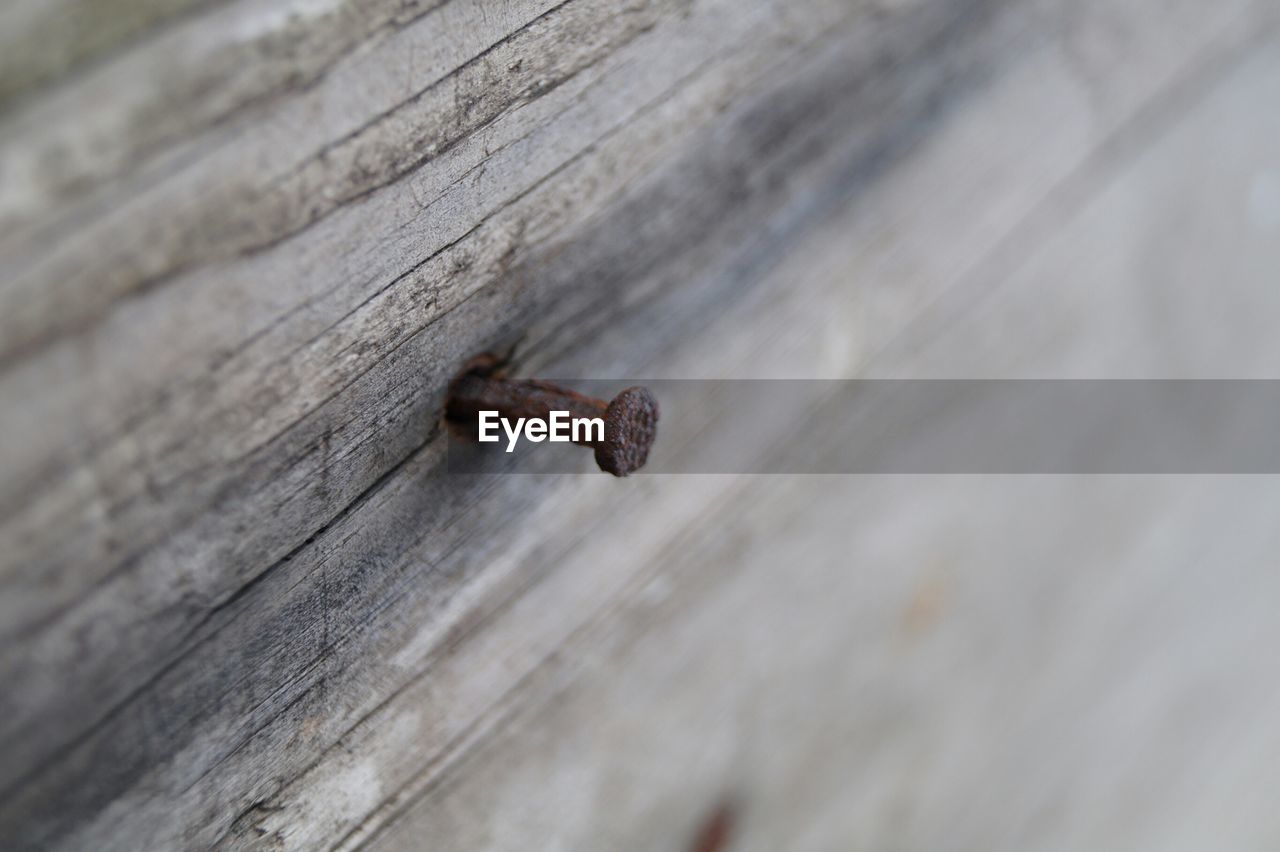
<point x="928" y="426"/>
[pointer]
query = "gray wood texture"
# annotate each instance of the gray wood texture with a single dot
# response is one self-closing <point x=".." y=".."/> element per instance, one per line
<point x="244" y="246"/>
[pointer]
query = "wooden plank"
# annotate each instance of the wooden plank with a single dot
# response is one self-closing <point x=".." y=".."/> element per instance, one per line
<point x="243" y="605"/>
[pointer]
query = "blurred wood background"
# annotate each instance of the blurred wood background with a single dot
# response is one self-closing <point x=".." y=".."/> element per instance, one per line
<point x="244" y="245"/>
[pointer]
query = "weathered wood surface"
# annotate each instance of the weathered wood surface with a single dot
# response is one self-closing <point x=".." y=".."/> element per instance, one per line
<point x="244" y="248"/>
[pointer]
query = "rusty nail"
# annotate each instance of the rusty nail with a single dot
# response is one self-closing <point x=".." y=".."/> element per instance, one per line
<point x="630" y="418"/>
<point x="716" y="831"/>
